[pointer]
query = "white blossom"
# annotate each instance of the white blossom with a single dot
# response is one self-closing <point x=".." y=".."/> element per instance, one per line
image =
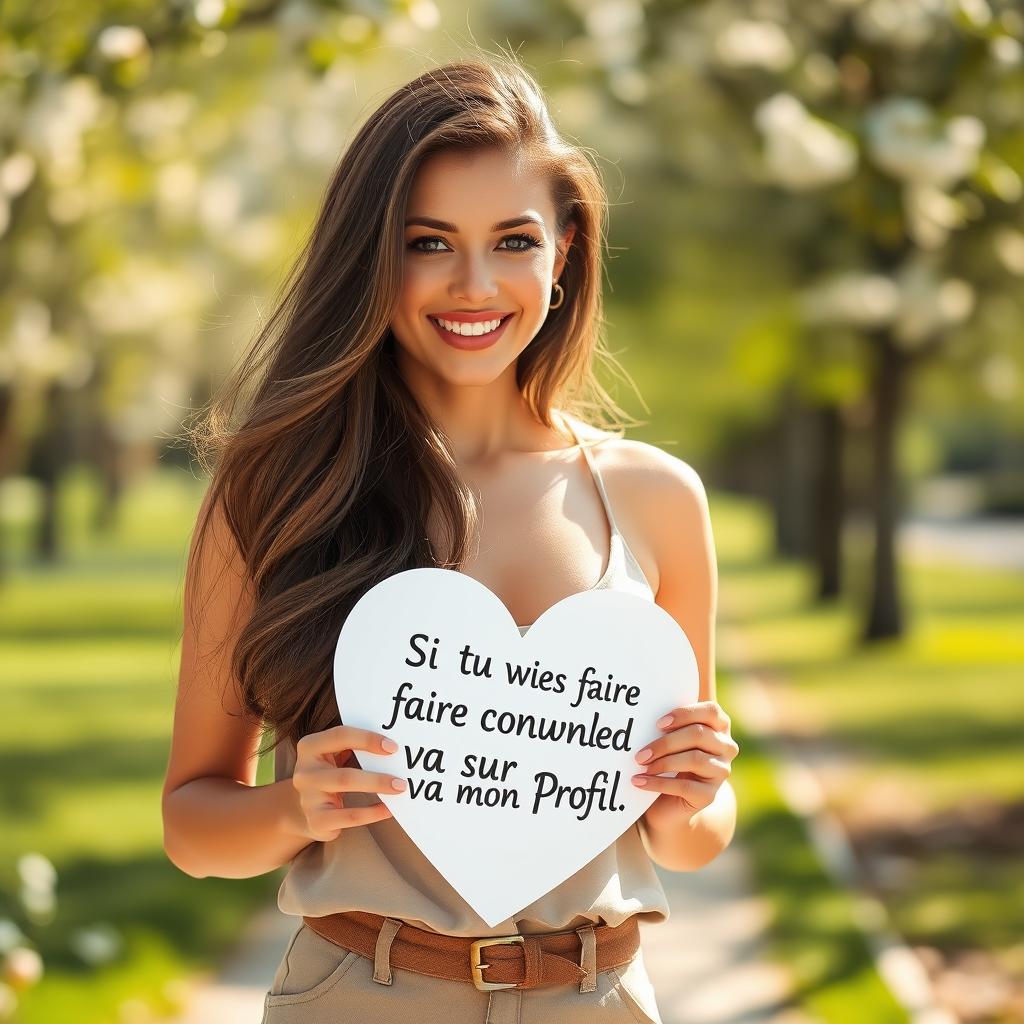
<point x="35" y="870"/>
<point x="929" y="304"/>
<point x="1006" y="51"/>
<point x="760" y="44"/>
<point x="96" y="943"/>
<point x="22" y="967"/>
<point x="424" y="14"/>
<point x="208" y="12"/>
<point x="903" y="24"/>
<point x="803" y="151"/>
<point x="56" y="120"/>
<point x="36" y="351"/>
<point x="10" y="934"/>
<point x="977" y="12"/>
<point x="616" y="28"/>
<point x="856" y="298"/>
<point x="16" y="173"/>
<point x="220" y="202"/>
<point x="916" y="302"/>
<point x="931" y="215"/>
<point x="122" y="42"/>
<point x="1009" y="247"/>
<point x="906" y="139"/>
<point x="39" y="904"/>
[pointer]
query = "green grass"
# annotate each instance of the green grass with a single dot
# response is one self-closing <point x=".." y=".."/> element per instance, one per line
<point x="89" y="649"/>
<point x="929" y="728"/>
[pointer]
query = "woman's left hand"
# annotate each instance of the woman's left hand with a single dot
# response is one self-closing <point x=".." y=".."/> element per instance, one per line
<point x="698" y="746"/>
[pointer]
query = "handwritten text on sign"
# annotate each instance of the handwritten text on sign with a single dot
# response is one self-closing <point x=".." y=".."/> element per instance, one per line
<point x="545" y="729"/>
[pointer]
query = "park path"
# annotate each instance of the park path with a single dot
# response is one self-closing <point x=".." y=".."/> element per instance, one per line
<point x="980" y="541"/>
<point x="706" y="962"/>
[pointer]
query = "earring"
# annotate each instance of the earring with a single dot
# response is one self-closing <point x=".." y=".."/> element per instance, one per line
<point x="561" y="296"/>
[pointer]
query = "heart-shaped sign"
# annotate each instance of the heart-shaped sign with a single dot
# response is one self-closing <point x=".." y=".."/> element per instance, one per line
<point x="518" y="751"/>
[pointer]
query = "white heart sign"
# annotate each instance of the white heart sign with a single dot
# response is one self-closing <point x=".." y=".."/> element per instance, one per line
<point x="516" y="750"/>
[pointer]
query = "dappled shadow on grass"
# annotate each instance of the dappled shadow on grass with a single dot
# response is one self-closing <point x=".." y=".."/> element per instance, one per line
<point x="954" y="882"/>
<point x="937" y="737"/>
<point x="99" y="564"/>
<point x="948" y="607"/>
<point x="768" y="588"/>
<point x="106" y="623"/>
<point x="984" y="829"/>
<point x="28" y="775"/>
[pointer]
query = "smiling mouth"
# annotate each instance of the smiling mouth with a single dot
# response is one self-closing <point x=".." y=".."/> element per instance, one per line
<point x="470" y="342"/>
<point x="439" y="321"/>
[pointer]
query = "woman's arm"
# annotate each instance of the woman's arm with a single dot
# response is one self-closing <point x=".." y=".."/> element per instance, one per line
<point x="231" y="829"/>
<point x="694" y="818"/>
<point x="216" y="821"/>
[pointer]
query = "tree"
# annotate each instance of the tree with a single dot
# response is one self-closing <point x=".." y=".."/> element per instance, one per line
<point x="897" y="129"/>
<point x="139" y="183"/>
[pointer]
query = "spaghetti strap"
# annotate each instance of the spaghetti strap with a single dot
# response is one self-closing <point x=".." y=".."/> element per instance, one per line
<point x="596" y="473"/>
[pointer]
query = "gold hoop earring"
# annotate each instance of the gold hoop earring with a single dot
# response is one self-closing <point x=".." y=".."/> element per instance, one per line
<point x="561" y="296"/>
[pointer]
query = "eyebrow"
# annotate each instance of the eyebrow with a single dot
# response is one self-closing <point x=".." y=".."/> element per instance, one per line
<point x="444" y="225"/>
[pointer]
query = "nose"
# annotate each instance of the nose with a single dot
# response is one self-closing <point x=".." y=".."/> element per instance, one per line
<point x="474" y="281"/>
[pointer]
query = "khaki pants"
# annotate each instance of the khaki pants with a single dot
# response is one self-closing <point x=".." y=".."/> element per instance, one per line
<point x="318" y="982"/>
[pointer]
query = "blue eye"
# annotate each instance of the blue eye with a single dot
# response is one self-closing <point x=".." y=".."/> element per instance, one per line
<point x="529" y="242"/>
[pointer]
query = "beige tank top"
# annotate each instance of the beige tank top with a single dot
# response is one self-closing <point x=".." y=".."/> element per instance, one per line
<point x="377" y="867"/>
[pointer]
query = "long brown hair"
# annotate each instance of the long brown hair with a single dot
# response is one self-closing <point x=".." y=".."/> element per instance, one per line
<point x="324" y="465"/>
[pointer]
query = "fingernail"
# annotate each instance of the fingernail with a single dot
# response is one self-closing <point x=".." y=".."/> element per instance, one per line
<point x="644" y="756"/>
<point x="664" y="721"/>
<point x="639" y="780"/>
<point x="398" y="783"/>
<point x="389" y="745"/>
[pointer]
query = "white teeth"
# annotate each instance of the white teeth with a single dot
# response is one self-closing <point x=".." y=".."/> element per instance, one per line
<point x="469" y="330"/>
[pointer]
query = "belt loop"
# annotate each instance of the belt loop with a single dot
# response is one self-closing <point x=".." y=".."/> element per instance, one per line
<point x="504" y="1007"/>
<point x="588" y="957"/>
<point x="382" y="951"/>
<point x="533" y="962"/>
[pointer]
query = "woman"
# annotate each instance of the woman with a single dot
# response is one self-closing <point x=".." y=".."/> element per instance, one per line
<point x="400" y="411"/>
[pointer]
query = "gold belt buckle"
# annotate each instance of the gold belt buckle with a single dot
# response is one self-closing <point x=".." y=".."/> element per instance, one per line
<point x="477" y="968"/>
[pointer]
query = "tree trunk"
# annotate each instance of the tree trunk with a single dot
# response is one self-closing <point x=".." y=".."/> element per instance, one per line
<point x="6" y="447"/>
<point x="885" y="617"/>
<point x="789" y="485"/>
<point x="108" y="464"/>
<point x="829" y="503"/>
<point x="48" y="459"/>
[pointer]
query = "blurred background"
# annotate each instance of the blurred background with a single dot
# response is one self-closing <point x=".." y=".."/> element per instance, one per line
<point x="815" y="290"/>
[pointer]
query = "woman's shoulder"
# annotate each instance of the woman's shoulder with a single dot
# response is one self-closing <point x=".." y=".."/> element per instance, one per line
<point x="636" y="466"/>
<point x="659" y="499"/>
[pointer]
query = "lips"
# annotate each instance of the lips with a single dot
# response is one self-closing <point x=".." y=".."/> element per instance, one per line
<point x="471" y="342"/>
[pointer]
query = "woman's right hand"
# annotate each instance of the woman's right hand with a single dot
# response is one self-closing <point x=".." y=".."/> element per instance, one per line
<point x="324" y="772"/>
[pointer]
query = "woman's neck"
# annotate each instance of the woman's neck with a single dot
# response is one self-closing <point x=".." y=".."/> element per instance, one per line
<point x="483" y="422"/>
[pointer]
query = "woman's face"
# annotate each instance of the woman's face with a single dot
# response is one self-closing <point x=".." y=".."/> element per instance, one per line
<point x="464" y="264"/>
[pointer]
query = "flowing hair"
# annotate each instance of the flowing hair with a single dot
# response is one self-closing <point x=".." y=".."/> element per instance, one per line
<point x="323" y="465"/>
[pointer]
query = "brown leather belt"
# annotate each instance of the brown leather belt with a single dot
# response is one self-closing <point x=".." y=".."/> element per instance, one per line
<point x="513" y="961"/>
